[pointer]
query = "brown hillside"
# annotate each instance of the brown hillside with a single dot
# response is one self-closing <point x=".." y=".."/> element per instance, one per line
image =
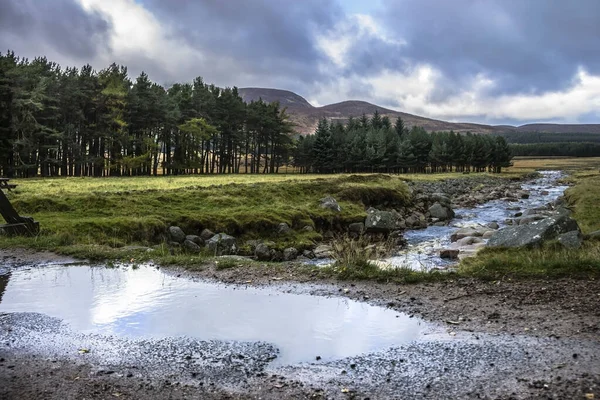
<point x="305" y="116"/>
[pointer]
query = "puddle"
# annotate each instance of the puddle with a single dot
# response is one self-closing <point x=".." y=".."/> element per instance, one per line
<point x="147" y="303"/>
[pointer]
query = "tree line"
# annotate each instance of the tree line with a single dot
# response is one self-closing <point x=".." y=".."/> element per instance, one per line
<point x="377" y="145"/>
<point x="80" y="122"/>
<point x="537" y="137"/>
<point x="556" y="149"/>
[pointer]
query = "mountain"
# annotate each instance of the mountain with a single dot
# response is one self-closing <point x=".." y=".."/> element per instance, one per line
<point x="305" y="116"/>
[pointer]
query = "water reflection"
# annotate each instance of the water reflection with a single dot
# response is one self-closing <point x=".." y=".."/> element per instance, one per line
<point x="148" y="303"/>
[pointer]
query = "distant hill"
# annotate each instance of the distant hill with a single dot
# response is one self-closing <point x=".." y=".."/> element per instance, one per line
<point x="305" y="116"/>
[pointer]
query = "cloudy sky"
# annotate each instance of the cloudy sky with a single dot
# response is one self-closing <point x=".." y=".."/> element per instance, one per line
<point x="490" y="61"/>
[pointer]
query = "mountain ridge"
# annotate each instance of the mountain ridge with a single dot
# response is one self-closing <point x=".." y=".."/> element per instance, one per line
<point x="305" y="116"/>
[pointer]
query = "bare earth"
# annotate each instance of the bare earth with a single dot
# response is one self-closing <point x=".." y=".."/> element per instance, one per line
<point x="506" y="340"/>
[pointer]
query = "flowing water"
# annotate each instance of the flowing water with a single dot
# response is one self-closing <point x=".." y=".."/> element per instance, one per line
<point x="422" y="252"/>
<point x="147" y="303"/>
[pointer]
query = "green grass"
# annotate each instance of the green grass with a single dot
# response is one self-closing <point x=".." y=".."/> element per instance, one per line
<point x="77" y="217"/>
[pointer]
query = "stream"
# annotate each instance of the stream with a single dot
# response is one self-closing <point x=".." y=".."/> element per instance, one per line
<point x="422" y="251"/>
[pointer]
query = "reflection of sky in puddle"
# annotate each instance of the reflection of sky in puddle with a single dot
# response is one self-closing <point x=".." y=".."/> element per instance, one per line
<point x="148" y="303"/>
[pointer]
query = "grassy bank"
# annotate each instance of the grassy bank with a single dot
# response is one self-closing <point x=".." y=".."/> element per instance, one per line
<point x="105" y="216"/>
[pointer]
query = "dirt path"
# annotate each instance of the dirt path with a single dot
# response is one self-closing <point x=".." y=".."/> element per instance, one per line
<point x="505" y="340"/>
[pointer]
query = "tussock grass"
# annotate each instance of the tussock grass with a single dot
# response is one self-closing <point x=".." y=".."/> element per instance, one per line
<point x="551" y="261"/>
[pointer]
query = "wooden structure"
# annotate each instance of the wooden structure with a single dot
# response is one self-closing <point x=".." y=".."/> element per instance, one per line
<point x="16" y="225"/>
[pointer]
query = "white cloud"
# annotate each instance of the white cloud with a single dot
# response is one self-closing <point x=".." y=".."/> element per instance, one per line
<point x="138" y="36"/>
<point x="336" y="43"/>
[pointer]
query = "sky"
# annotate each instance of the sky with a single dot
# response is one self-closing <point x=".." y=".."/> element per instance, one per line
<point x="486" y="61"/>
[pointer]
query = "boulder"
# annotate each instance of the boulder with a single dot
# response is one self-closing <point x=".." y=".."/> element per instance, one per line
<point x="493" y="225"/>
<point x="330" y="203"/>
<point x="196" y="239"/>
<point x="252" y="244"/>
<point x="441" y="198"/>
<point x="357" y="227"/>
<point x="191" y="246"/>
<point x="381" y="221"/>
<point x="533" y="234"/>
<point x="488" y="235"/>
<point x="529" y="219"/>
<point x="290" y="254"/>
<point x="207" y="234"/>
<point x="283" y="228"/>
<point x="442" y="213"/>
<point x="571" y="240"/>
<point x="523" y="195"/>
<point x="308" y="254"/>
<point x="262" y="252"/>
<point x="308" y="228"/>
<point x="323" y="251"/>
<point x="594" y="235"/>
<point x="468" y="232"/>
<point x="449" y="254"/>
<point x="176" y="234"/>
<point x="222" y="244"/>
<point x="467" y="241"/>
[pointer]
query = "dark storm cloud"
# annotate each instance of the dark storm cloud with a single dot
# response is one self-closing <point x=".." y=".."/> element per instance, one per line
<point x="526" y="46"/>
<point x="268" y="38"/>
<point x="32" y="27"/>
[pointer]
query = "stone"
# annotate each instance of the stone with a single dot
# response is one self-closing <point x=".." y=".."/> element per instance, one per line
<point x="308" y="254"/>
<point x="196" y="239"/>
<point x="290" y="254"/>
<point x="533" y="234"/>
<point x="467" y="241"/>
<point x="529" y="219"/>
<point x="323" y="251"/>
<point x="411" y="221"/>
<point x="191" y="246"/>
<point x="330" y="203"/>
<point x="449" y="254"/>
<point x="443" y="213"/>
<point x="308" y="228"/>
<point x="545" y="193"/>
<point x="176" y="234"/>
<point x="467" y="232"/>
<point x="262" y="252"/>
<point x="594" y="235"/>
<point x="276" y="255"/>
<point x="571" y="240"/>
<point x="493" y="225"/>
<point x="357" y="227"/>
<point x="206" y="234"/>
<point x="523" y="195"/>
<point x="441" y="198"/>
<point x="488" y="235"/>
<point x="283" y="228"/>
<point x="252" y="244"/>
<point x="381" y="221"/>
<point x="222" y="244"/>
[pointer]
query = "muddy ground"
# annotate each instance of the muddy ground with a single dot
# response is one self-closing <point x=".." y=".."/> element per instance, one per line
<point x="500" y="340"/>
